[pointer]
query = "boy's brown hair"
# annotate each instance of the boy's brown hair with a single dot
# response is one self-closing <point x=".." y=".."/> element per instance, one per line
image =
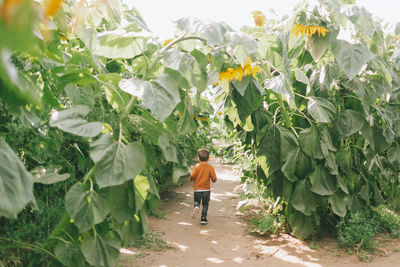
<point x="203" y="154"/>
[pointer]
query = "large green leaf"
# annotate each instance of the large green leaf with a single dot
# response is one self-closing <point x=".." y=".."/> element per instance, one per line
<point x="266" y="222"/>
<point x="69" y="254"/>
<point x="147" y="126"/>
<point x="320" y="109"/>
<point x="120" y="45"/>
<point x="160" y="95"/>
<point x="16" y="183"/>
<point x="374" y="136"/>
<point x="169" y="149"/>
<point x="342" y="185"/>
<point x="48" y="175"/>
<point x="80" y="95"/>
<point x="186" y="124"/>
<point x="289" y="168"/>
<point x="129" y="230"/>
<point x="248" y="126"/>
<point x="100" y="251"/>
<point x="117" y="99"/>
<point x="344" y="159"/>
<point x="322" y="182"/>
<point x="250" y="101"/>
<point x="349" y="122"/>
<point x="301" y="224"/>
<point x="178" y="173"/>
<point x="318" y="44"/>
<point x="17" y="27"/>
<point x="213" y="32"/>
<point x="394" y="155"/>
<point x="115" y="161"/>
<point x="187" y="66"/>
<point x="121" y="200"/>
<point x="80" y="77"/>
<point x="243" y="45"/>
<point x="270" y="146"/>
<point x="86" y="207"/>
<point x="242" y="85"/>
<point x="338" y="203"/>
<point x="350" y="57"/>
<point x="360" y="17"/>
<point x="71" y="121"/>
<point x="133" y="15"/>
<point x="302" y="198"/>
<point x="142" y="187"/>
<point x="328" y="149"/>
<point x="289" y="143"/>
<point x="309" y="140"/>
<point x="282" y="85"/>
<point x="303" y="164"/>
<point x="260" y="118"/>
<point x="16" y="88"/>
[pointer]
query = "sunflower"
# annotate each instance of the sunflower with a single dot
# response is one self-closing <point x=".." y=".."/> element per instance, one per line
<point x="309" y="30"/>
<point x="166" y="42"/>
<point x="8" y="9"/>
<point x="259" y="18"/>
<point x="51" y="7"/>
<point x="231" y="74"/>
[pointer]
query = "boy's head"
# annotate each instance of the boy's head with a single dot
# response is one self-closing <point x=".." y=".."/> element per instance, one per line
<point x="203" y="154"/>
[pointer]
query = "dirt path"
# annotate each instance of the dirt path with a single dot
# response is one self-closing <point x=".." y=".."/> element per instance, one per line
<point x="225" y="240"/>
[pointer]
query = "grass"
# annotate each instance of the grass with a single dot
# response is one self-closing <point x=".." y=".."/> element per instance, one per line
<point x="158" y="214"/>
<point x="152" y="241"/>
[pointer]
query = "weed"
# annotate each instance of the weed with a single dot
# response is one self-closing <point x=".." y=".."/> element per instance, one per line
<point x="356" y="230"/>
<point x="139" y="255"/>
<point x="363" y="255"/>
<point x="152" y="241"/>
<point x="314" y="246"/>
<point x="388" y="220"/>
<point x="158" y="214"/>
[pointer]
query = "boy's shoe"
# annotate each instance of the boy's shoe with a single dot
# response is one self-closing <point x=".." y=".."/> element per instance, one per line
<point x="203" y="220"/>
<point x="195" y="211"/>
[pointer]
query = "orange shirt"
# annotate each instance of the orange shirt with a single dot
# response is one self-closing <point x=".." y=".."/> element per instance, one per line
<point x="201" y="175"/>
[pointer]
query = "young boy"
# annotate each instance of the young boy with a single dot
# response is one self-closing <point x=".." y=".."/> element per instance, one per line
<point x="201" y="176"/>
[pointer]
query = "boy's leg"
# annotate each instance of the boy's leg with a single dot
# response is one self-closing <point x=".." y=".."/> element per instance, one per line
<point x="197" y="199"/>
<point x="196" y="204"/>
<point x="205" y="199"/>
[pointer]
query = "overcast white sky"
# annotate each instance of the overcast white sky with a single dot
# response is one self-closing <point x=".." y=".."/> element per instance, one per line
<point x="160" y="14"/>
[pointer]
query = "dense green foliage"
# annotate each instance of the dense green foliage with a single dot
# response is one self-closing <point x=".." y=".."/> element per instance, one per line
<point x="82" y="162"/>
<point x="325" y="137"/>
<point x="97" y="115"/>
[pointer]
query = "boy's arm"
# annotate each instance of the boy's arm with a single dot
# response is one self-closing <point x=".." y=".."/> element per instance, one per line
<point x="193" y="174"/>
<point x="213" y="175"/>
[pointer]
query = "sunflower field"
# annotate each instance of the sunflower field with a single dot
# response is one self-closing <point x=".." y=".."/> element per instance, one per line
<point x="98" y="115"/>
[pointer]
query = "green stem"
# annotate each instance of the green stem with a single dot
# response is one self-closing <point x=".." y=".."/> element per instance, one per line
<point x="120" y="132"/>
<point x="129" y="104"/>
<point x="89" y="174"/>
<point x="283" y="110"/>
<point x="63" y="225"/>
<point x="160" y="56"/>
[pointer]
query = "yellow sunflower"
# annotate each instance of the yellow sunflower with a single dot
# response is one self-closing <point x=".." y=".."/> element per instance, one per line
<point x="309" y="30"/>
<point x="259" y="18"/>
<point x="231" y="74"/>
<point x="51" y="7"/>
<point x="166" y="42"/>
